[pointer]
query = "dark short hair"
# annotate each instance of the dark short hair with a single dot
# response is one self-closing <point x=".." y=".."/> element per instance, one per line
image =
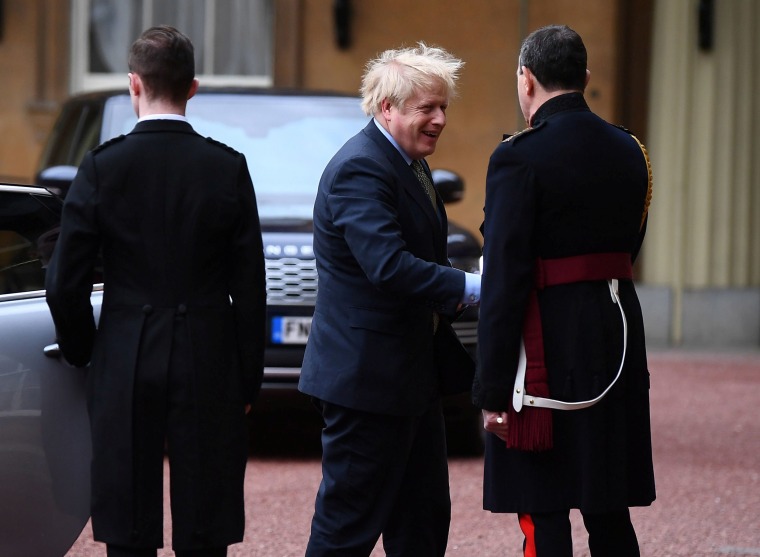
<point x="557" y="57"/>
<point x="164" y="59"/>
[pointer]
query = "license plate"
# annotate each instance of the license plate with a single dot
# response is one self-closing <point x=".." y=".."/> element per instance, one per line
<point x="290" y="330"/>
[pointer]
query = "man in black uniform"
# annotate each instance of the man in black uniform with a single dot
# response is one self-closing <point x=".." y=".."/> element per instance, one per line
<point x="565" y="214"/>
<point x="178" y="353"/>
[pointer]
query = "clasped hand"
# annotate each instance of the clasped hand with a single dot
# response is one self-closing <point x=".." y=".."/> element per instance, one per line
<point x="496" y="423"/>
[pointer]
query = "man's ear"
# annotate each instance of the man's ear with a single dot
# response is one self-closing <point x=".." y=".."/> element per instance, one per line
<point x="588" y="78"/>
<point x="385" y="108"/>
<point x="193" y="89"/>
<point x="529" y="81"/>
<point x="135" y="84"/>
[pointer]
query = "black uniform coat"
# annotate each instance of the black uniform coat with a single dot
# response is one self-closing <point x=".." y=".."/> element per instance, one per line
<point x="571" y="185"/>
<point x="179" y="347"/>
<point x="383" y="270"/>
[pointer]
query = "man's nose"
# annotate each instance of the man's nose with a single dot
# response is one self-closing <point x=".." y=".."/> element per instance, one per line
<point x="439" y="117"/>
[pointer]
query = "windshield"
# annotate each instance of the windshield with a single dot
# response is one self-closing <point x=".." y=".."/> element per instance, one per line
<point x="287" y="140"/>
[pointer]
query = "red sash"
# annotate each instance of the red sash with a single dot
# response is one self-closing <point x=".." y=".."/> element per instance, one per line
<point x="531" y="429"/>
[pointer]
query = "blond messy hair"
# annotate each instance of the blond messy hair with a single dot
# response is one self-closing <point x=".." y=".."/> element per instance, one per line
<point x="397" y="74"/>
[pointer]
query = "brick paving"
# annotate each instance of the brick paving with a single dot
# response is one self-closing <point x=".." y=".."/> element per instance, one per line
<point x="706" y="435"/>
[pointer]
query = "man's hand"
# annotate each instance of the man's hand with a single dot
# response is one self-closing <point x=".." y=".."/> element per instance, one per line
<point x="496" y="423"/>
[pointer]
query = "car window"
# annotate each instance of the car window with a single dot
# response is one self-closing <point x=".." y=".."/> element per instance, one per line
<point x="287" y="140"/>
<point x="28" y="230"/>
<point x="76" y="131"/>
<point x="21" y="268"/>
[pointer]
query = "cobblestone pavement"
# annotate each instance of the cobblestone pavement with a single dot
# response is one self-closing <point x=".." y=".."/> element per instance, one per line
<point x="706" y="434"/>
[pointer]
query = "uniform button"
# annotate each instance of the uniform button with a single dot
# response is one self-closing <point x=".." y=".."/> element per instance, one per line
<point x="147" y="309"/>
<point x="181" y="309"/>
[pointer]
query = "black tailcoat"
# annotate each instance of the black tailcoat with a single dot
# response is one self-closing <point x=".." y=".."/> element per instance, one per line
<point x="571" y="185"/>
<point x="178" y="351"/>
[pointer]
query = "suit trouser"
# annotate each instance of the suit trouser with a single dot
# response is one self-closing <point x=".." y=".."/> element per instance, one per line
<point x="610" y="534"/>
<point x="381" y="475"/>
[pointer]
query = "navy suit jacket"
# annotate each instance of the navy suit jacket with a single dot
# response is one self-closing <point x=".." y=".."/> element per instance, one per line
<point x="383" y="271"/>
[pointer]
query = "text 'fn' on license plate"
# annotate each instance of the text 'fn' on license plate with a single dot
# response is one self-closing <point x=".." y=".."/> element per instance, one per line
<point x="290" y="329"/>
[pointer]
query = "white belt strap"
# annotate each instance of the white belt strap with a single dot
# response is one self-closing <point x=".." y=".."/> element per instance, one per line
<point x="520" y="398"/>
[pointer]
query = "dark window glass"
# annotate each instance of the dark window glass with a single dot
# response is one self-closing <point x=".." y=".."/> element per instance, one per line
<point x="76" y="132"/>
<point x="28" y="231"/>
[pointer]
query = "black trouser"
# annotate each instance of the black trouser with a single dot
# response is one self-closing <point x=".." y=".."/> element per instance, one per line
<point x="610" y="534"/>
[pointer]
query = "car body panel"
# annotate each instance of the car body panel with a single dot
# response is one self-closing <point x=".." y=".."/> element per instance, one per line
<point x="44" y="432"/>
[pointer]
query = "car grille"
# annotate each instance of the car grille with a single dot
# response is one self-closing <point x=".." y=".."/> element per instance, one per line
<point x="291" y="281"/>
<point x="467" y="331"/>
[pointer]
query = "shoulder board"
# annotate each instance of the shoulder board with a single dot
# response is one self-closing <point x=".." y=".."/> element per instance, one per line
<point x="222" y="145"/>
<point x="626" y="130"/>
<point x="109" y="142"/>
<point x="515" y="136"/>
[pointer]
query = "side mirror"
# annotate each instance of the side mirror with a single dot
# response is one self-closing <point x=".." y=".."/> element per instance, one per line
<point x="450" y="185"/>
<point x="57" y="179"/>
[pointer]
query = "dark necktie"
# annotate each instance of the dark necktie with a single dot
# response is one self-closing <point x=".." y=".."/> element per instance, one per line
<point x="425" y="182"/>
<point x="427" y="185"/>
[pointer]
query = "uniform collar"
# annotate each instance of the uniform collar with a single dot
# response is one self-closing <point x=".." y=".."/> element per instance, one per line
<point x="560" y="103"/>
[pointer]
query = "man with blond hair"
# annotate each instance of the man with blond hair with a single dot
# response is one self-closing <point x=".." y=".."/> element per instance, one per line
<point x="386" y="297"/>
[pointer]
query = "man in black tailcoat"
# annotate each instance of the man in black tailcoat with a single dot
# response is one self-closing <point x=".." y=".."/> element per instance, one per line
<point x="177" y="357"/>
<point x="565" y="214"/>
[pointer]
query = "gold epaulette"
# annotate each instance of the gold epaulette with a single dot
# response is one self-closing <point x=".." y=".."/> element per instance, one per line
<point x="516" y="134"/>
<point x="648" y="198"/>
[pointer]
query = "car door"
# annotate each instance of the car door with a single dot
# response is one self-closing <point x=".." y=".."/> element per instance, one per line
<point x="44" y="432"/>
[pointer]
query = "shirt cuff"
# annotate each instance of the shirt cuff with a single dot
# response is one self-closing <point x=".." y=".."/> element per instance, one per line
<point x="471" y="294"/>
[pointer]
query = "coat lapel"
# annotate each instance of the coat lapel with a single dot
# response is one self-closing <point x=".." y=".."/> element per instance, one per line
<point x="410" y="182"/>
